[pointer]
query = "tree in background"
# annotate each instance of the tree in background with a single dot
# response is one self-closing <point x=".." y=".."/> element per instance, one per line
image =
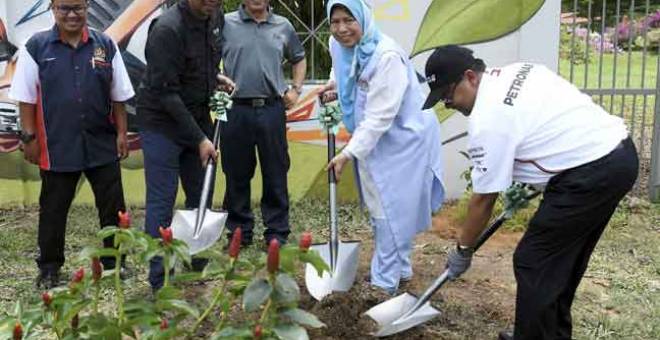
<point x="304" y="15"/>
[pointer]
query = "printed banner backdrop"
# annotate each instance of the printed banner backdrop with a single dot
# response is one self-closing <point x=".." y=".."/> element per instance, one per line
<point x="401" y="19"/>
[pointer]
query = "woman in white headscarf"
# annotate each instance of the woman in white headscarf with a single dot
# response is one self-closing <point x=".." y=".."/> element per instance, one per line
<point x="395" y="144"/>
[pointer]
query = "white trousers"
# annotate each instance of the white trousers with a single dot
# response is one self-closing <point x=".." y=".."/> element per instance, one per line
<point x="389" y="264"/>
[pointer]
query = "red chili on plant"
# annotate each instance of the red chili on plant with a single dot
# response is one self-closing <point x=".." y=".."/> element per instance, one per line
<point x="46" y="298"/>
<point x="273" y="262"/>
<point x="257" y="331"/>
<point x="305" y="241"/>
<point x="78" y="275"/>
<point x="18" y="331"/>
<point x="235" y="244"/>
<point x="166" y="235"/>
<point x="164" y="324"/>
<point x="124" y="220"/>
<point x="97" y="269"/>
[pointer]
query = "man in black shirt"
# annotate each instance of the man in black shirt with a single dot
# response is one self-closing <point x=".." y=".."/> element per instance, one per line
<point x="183" y="51"/>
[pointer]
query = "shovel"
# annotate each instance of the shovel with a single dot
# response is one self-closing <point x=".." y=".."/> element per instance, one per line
<point x="406" y="310"/>
<point x="341" y="257"/>
<point x="200" y="228"/>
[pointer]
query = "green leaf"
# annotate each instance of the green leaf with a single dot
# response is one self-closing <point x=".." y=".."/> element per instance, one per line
<point x="286" y="289"/>
<point x="87" y="253"/>
<point x="107" y="232"/>
<point x="288" y="255"/>
<point x="187" y="277"/>
<point x="138" y="306"/>
<point x="181" y="251"/>
<point x="75" y="309"/>
<point x="233" y="333"/>
<point x="290" y="332"/>
<point x="124" y="236"/>
<point x="213" y="269"/>
<point x="18" y="308"/>
<point x="7" y="323"/>
<point x="312" y="257"/>
<point x="169" y="293"/>
<point x="143" y="320"/>
<point x="235" y="277"/>
<point x="151" y="253"/>
<point x="463" y="22"/>
<point x="183" y="306"/>
<point x="304" y="318"/>
<point x="101" y="327"/>
<point x="256" y="293"/>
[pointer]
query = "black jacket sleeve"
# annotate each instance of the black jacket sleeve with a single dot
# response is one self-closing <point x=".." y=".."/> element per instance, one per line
<point x="166" y="63"/>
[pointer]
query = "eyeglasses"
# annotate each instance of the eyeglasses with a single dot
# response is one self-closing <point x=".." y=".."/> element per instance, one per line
<point x="64" y="10"/>
<point x="448" y="94"/>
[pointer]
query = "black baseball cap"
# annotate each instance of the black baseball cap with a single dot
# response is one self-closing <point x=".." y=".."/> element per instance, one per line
<point x="444" y="67"/>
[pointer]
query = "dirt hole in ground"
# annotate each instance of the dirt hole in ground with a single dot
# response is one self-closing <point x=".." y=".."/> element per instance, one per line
<point x="476" y="307"/>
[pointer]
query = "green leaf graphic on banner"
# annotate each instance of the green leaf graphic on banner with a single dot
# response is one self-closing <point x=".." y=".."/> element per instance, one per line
<point x="463" y="22"/>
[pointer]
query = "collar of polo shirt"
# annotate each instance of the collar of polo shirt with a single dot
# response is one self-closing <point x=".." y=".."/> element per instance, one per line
<point x="245" y="16"/>
<point x="56" y="36"/>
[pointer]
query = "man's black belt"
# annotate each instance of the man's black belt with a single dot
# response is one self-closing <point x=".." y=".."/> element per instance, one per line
<point x="257" y="102"/>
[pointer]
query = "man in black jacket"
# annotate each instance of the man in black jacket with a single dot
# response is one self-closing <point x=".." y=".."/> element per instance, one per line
<point x="183" y="51"/>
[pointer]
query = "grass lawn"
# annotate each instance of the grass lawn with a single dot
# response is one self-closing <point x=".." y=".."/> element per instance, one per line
<point x="617" y="300"/>
<point x="306" y="179"/>
<point x="638" y="66"/>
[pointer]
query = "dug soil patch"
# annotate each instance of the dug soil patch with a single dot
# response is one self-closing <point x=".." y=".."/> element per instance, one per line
<point x="476" y="306"/>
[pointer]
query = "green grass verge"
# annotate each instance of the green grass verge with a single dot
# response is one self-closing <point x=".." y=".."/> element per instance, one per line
<point x="612" y="74"/>
<point x="19" y="183"/>
<point x="616" y="300"/>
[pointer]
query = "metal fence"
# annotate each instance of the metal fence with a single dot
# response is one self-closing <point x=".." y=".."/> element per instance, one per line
<point x="309" y="19"/>
<point x="611" y="50"/>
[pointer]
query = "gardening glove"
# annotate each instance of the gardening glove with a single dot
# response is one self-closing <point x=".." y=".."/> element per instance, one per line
<point x="458" y="261"/>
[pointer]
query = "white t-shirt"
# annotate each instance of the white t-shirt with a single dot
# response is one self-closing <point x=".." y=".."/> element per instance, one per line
<point x="529" y="124"/>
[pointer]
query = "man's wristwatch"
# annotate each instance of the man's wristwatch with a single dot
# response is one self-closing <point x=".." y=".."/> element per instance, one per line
<point x="465" y="251"/>
<point x="297" y="88"/>
<point x="27" y="137"/>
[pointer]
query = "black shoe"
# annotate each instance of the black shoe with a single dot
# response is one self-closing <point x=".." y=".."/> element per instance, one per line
<point x="281" y="240"/>
<point x="505" y="335"/>
<point x="48" y="280"/>
<point x="197" y="264"/>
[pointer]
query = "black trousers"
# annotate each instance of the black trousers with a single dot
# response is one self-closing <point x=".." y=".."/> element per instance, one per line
<point x="57" y="192"/>
<point x="553" y="255"/>
<point x="261" y="129"/>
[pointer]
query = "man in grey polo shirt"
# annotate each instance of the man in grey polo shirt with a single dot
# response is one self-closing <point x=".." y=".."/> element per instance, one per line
<point x="256" y="42"/>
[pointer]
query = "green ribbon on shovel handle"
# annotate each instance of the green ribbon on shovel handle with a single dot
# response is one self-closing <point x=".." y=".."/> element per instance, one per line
<point x="330" y="117"/>
<point x="517" y="197"/>
<point x="220" y="102"/>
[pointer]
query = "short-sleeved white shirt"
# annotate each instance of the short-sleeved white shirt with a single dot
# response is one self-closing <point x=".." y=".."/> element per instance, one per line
<point x="529" y="124"/>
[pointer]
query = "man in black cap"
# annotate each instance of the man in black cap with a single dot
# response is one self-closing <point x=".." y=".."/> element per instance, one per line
<point x="529" y="125"/>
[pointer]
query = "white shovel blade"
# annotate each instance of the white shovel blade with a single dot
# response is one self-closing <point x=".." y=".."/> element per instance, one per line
<point x="344" y="275"/>
<point x="389" y="314"/>
<point x="183" y="228"/>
